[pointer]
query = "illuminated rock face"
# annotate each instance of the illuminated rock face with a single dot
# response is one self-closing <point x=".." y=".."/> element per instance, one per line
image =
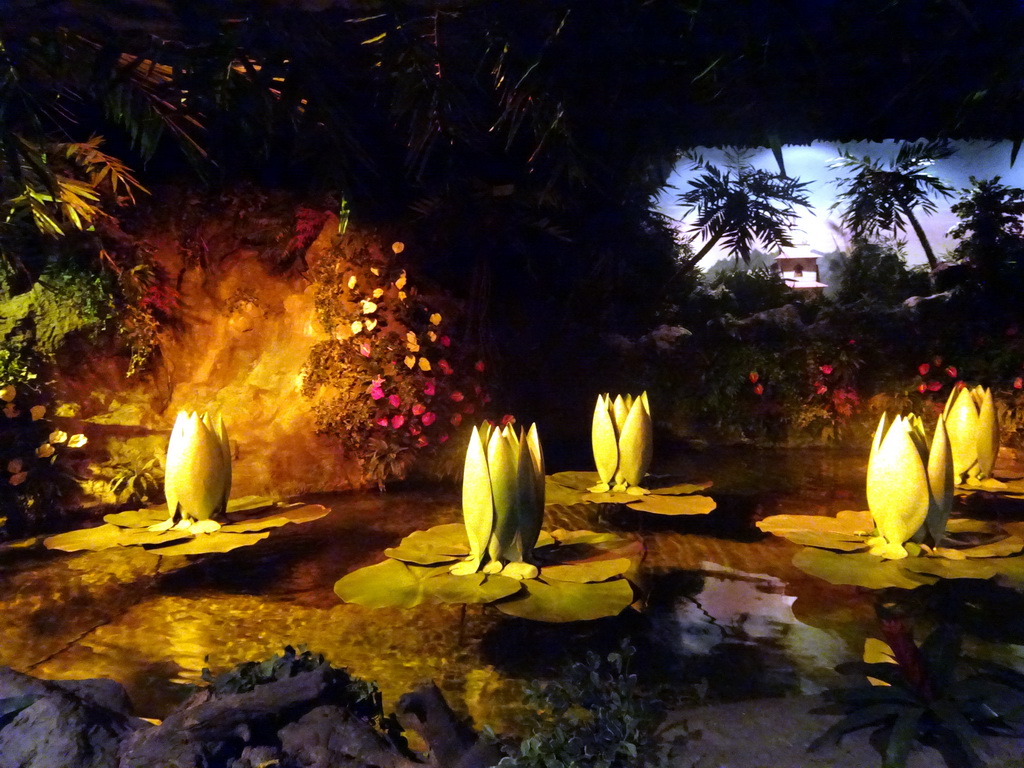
<point x="622" y="438"/>
<point x="197" y="482"/>
<point x="973" y="427"/>
<point x="502" y="501"/>
<point x="909" y="488"/>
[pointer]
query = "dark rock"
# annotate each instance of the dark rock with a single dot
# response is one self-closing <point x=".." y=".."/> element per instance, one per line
<point x="331" y="737"/>
<point x="453" y="744"/>
<point x="65" y="727"/>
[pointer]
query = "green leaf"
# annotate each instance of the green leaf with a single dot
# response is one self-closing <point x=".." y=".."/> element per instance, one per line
<point x="394" y="584"/>
<point x="588" y="571"/>
<point x="93" y="539"/>
<point x="440" y="544"/>
<point x="858" y="569"/>
<point x="673" y="505"/>
<point x="208" y="543"/>
<point x="138" y="518"/>
<point x="681" y="489"/>
<point x="563" y="601"/>
<point x="902" y="737"/>
<point x="577" y="481"/>
<point x="306" y="513"/>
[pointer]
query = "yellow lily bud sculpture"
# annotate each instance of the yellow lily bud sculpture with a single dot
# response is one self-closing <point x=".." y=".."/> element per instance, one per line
<point x="909" y="488"/>
<point x="197" y="479"/>
<point x="502" y="501"/>
<point x="973" y="428"/>
<point x="622" y="438"/>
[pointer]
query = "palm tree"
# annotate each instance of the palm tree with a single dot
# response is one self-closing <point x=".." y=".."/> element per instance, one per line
<point x="877" y="198"/>
<point x="741" y="205"/>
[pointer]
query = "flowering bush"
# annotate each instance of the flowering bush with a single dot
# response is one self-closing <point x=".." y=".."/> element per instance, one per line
<point x="33" y="480"/>
<point x="390" y="382"/>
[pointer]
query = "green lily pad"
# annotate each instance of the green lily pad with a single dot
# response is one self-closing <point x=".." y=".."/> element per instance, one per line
<point x="827" y="540"/>
<point x="610" y="497"/>
<point x="1012" y="487"/>
<point x="440" y="544"/>
<point x="972" y="568"/>
<point x="1004" y="547"/>
<point x="394" y="584"/>
<point x="249" y="503"/>
<point x="563" y="601"/>
<point x="848" y="522"/>
<point x="305" y="513"/>
<point x="208" y="543"/>
<point x="137" y="518"/>
<point x="673" y="505"/>
<point x="858" y="569"/>
<point x="578" y="481"/>
<point x="681" y="489"/>
<point x="101" y="537"/>
<point x="588" y="571"/>
<point x="969" y="525"/>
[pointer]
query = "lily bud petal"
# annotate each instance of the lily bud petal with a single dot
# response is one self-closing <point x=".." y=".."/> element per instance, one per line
<point x="940" y="483"/>
<point x="636" y="444"/>
<point x="962" y="429"/>
<point x="988" y="435"/>
<point x="604" y="441"/>
<point x="897" y="487"/>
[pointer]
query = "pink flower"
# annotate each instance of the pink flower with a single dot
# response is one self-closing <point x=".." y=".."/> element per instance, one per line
<point x="418" y="409"/>
<point x="397" y="421"/>
<point x="456" y="419"/>
<point x="922" y="388"/>
<point x="382" y="421"/>
<point x="826" y="369"/>
<point x="1018" y="383"/>
<point x="507" y="419"/>
<point x="422" y="442"/>
<point x="414" y="430"/>
<point x="428" y="418"/>
<point x="376" y="393"/>
<point x="457" y="396"/>
<point x="934" y="386"/>
<point x="951" y="371"/>
<point x="479" y="365"/>
<point x="445" y="368"/>
<point x="395" y="401"/>
<point x="822" y="389"/>
<point x="445" y="341"/>
<point x="364" y="349"/>
<point x="923" y="368"/>
<point x="443" y="439"/>
<point x="429" y="389"/>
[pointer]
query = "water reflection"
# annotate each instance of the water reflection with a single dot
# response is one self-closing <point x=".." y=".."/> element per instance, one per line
<point x="720" y="605"/>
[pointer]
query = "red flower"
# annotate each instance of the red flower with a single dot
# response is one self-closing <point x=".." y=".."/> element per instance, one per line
<point x="753" y="377"/>
<point x="758" y="390"/>
<point x="456" y="419"/>
<point x="414" y="430"/>
<point x="922" y="388"/>
<point x="1018" y="383"/>
<point x="826" y="369"/>
<point x="428" y="418"/>
<point x="822" y="389"/>
<point x="934" y="386"/>
<point x="395" y="401"/>
<point x="445" y="341"/>
<point x="429" y="389"/>
<point x="507" y="419"/>
<point x="486" y="399"/>
<point x="422" y="442"/>
<point x="457" y="396"/>
<point x="923" y="368"/>
<point x="445" y="368"/>
<point x="468" y="408"/>
<point x="479" y="365"/>
<point x="951" y="371"/>
<point x="443" y="439"/>
<point x="418" y="409"/>
<point x="397" y="421"/>
<point x="382" y="421"/>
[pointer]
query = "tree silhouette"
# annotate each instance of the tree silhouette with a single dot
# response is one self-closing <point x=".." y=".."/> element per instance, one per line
<point x="741" y="206"/>
<point x="877" y="198"/>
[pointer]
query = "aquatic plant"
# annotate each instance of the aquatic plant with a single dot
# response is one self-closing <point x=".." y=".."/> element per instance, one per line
<point x="622" y="439"/>
<point x="593" y="715"/>
<point x="664" y="497"/>
<point x="973" y="427"/>
<point x="502" y="501"/>
<point x="909" y="488"/>
<point x="916" y="694"/>
<point x="197" y="479"/>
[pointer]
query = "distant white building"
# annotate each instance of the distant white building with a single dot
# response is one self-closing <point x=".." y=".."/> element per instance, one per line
<point x="800" y="271"/>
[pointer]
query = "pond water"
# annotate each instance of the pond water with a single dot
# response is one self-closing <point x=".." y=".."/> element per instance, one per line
<point x="723" y="615"/>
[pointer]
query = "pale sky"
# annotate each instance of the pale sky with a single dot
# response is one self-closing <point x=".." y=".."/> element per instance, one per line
<point x="810" y="163"/>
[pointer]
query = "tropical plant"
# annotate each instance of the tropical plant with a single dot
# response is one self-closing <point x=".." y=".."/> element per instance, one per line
<point x="593" y="715"/>
<point x="135" y="479"/>
<point x="877" y="273"/>
<point x="879" y="198"/>
<point x="928" y="694"/>
<point x="742" y="205"/>
<point x="991" y="231"/>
